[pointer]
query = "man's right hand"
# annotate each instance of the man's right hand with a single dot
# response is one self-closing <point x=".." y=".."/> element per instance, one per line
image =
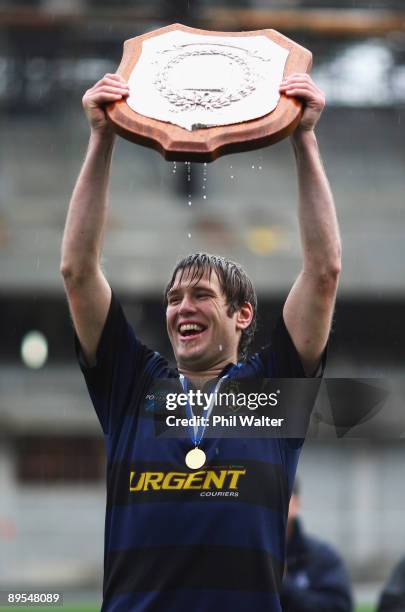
<point x="87" y="289"/>
<point x="111" y="88"/>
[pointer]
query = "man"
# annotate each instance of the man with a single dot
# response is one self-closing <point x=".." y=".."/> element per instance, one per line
<point x="316" y="579"/>
<point x="178" y="539"/>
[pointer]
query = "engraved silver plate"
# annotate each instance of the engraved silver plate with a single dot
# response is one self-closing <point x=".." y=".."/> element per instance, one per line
<point x="197" y="81"/>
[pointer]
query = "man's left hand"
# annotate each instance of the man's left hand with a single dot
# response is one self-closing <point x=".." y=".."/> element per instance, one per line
<point x="301" y="86"/>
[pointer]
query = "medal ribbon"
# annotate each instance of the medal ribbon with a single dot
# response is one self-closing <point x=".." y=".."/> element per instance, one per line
<point x="197" y="432"/>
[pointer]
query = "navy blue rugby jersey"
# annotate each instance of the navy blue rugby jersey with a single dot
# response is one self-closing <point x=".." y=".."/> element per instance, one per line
<point x="178" y="540"/>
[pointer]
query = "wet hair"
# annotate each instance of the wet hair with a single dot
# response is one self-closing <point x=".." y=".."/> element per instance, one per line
<point x="234" y="282"/>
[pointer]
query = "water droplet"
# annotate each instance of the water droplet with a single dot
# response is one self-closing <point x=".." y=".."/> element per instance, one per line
<point x="253" y="167"/>
<point x="189" y="202"/>
<point x="232" y="176"/>
<point x="203" y="186"/>
<point x="205" y="164"/>
<point x="205" y="179"/>
<point x="260" y="167"/>
<point x="204" y="197"/>
<point x="189" y="235"/>
<point x="230" y="167"/>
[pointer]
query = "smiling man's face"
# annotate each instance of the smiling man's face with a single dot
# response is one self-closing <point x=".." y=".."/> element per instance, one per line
<point x="202" y="333"/>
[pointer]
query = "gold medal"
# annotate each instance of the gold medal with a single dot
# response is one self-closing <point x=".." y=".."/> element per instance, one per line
<point x="195" y="458"/>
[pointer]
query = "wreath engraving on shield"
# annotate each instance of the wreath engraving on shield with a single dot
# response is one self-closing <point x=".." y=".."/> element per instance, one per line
<point x="190" y="98"/>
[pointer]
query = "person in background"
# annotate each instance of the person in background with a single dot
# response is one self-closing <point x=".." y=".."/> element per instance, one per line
<point x="393" y="596"/>
<point x="315" y="579"/>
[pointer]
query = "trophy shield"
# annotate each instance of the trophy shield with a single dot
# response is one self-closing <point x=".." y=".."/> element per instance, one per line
<point x="196" y="95"/>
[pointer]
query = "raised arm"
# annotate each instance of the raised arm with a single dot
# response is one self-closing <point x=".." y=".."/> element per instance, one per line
<point x="309" y="306"/>
<point x="86" y="287"/>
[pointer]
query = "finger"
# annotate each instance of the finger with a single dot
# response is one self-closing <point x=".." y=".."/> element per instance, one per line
<point x="104" y="91"/>
<point x="307" y="95"/>
<point x="289" y="88"/>
<point x="292" y="89"/>
<point x="114" y="82"/>
<point x="105" y="97"/>
<point x="299" y="81"/>
<point x="115" y="76"/>
<point x="113" y="86"/>
<point x="109" y="83"/>
<point x="108" y="89"/>
<point x="304" y="89"/>
<point x="304" y="76"/>
<point x="110" y="79"/>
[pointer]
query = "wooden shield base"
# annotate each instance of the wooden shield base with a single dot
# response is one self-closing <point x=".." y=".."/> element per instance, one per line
<point x="206" y="144"/>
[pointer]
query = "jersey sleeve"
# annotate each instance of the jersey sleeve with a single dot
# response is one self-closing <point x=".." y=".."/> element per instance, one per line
<point x="281" y="359"/>
<point x="118" y="376"/>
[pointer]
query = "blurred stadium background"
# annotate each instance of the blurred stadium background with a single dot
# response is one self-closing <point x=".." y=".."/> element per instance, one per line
<point x="51" y="451"/>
